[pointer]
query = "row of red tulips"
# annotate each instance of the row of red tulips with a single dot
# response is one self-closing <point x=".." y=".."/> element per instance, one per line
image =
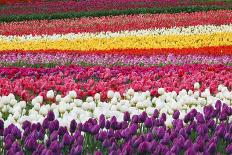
<point x="205" y="51"/>
<point x="28" y="82"/>
<point x="92" y="5"/>
<point x="116" y="23"/>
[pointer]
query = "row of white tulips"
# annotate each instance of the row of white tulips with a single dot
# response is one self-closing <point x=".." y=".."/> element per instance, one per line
<point x="69" y="107"/>
<point x="191" y="30"/>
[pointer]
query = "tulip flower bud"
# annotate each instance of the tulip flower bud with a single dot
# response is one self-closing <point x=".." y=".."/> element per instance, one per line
<point x="196" y="86"/>
<point x="161" y="91"/>
<point x="110" y="94"/>
<point x="50" y="94"/>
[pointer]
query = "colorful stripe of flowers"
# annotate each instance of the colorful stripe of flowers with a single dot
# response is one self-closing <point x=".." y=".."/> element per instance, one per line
<point x="130" y="42"/>
<point x="210" y="39"/>
<point x="26" y="83"/>
<point x="116" y="77"/>
<point x="106" y="59"/>
<point x="207" y="130"/>
<point x="116" y="23"/>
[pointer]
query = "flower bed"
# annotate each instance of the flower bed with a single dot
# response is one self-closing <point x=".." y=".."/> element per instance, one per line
<point x="118" y="77"/>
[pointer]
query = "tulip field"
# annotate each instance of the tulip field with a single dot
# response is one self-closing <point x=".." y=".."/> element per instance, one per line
<point x="115" y="77"/>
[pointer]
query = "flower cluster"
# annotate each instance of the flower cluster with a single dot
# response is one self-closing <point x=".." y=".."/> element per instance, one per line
<point x="191" y="37"/>
<point x="69" y="107"/>
<point x="113" y="79"/>
<point x="208" y="132"/>
<point x="106" y="59"/>
<point x="26" y="83"/>
<point x="47" y="7"/>
<point x="116" y="23"/>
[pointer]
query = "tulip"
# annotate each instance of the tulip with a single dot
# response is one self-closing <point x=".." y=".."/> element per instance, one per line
<point x="73" y="126"/>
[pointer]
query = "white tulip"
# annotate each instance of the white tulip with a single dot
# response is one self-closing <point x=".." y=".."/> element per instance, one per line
<point x="159" y="104"/>
<point x="4" y="109"/>
<point x="97" y="96"/>
<point x="50" y="94"/>
<point x="117" y="95"/>
<point x="73" y="94"/>
<point x="114" y="100"/>
<point x="62" y="108"/>
<point x="58" y="98"/>
<point x="78" y="102"/>
<point x="131" y="92"/>
<point x="16" y="115"/>
<point x="89" y="99"/>
<point x="110" y="94"/>
<point x="197" y="85"/>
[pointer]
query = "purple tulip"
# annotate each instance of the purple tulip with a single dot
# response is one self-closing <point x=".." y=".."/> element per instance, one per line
<point x="133" y="128"/>
<point x="73" y="126"/>
<point x="218" y="105"/>
<point x="155" y="114"/>
<point x="110" y="133"/>
<point x="208" y="112"/>
<point x="97" y="153"/>
<point x="113" y="123"/>
<point x="55" y="147"/>
<point x="26" y="124"/>
<point x="148" y="122"/>
<point x="50" y="116"/>
<point x="124" y="125"/>
<point x="79" y="127"/>
<point x="62" y="131"/>
<point x="102" y="136"/>
<point x="223" y="115"/>
<point x="125" y="133"/>
<point x="113" y="146"/>
<point x="107" y="125"/>
<point x="53" y="136"/>
<point x="200" y="118"/>
<point x="137" y="142"/>
<point x="135" y="119"/>
<point x="165" y="140"/>
<point x="190" y="151"/>
<point x="15" y="147"/>
<point x="95" y="129"/>
<point x="66" y="139"/>
<point x="187" y="144"/>
<point x="229" y="149"/>
<point x="118" y="135"/>
<point x="126" y="116"/>
<point x="183" y="133"/>
<point x="160" y="132"/>
<point x="163" y="117"/>
<point x="211" y="124"/>
<point x="176" y="114"/>
<point x="106" y="143"/>
<point x="143" y="147"/>
<point x="86" y="127"/>
<point x="212" y="148"/>
<point x="31" y="144"/>
<point x="16" y="132"/>
<point x="45" y="123"/>
<point x="102" y="121"/>
<point x="8" y="140"/>
<point x="1" y="124"/>
<point x="175" y="149"/>
<point x="143" y="116"/>
<point x="149" y="137"/>
<point x="127" y="150"/>
<point x="19" y="153"/>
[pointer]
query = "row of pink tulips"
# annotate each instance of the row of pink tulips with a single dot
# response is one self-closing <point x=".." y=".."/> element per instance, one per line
<point x="28" y="82"/>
